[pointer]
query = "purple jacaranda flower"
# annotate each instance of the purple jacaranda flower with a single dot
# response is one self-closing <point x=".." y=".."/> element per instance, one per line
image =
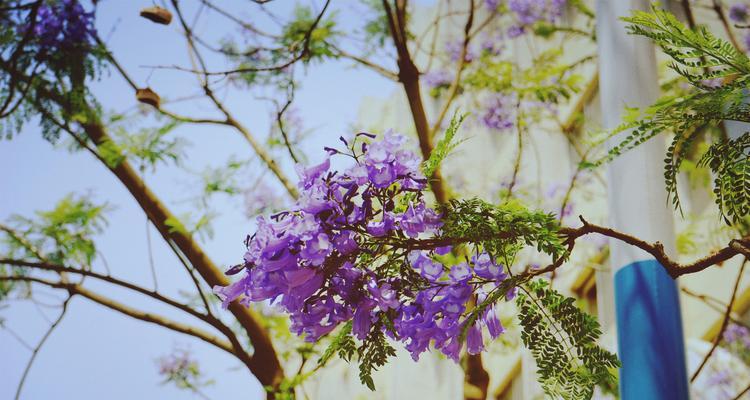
<point x="307" y="260"/>
<point x="362" y="320"/>
<point x="492" y="322"/>
<point x="460" y="273"/>
<point x="738" y="12"/>
<point x="443" y="250"/>
<point x="474" y="342"/>
<point x="499" y="112"/>
<point x="385" y="296"/>
<point x="454" y="49"/>
<point x="438" y="79"/>
<point x="346" y="242"/>
<point x="486" y="268"/>
<point x="229" y="293"/>
<point x="382" y="227"/>
<point x="528" y="12"/>
<point x="419" y="219"/>
<point x="62" y="26"/>
<point x="492" y="44"/>
<point x="515" y="31"/>
<point x="492" y="4"/>
<point x="427" y="267"/>
<point x="317" y="249"/>
<point x="712" y="83"/>
<point x="309" y="175"/>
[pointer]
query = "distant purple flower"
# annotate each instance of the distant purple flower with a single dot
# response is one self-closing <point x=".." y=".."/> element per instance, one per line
<point x="738" y="12"/>
<point x="456" y="47"/>
<point x="175" y="363"/>
<point x="736" y="333"/>
<point x="712" y="83"/>
<point x="492" y="4"/>
<point x="529" y="12"/>
<point x="438" y="79"/>
<point x="515" y="31"/>
<point x="492" y="44"/>
<point x="498" y="112"/>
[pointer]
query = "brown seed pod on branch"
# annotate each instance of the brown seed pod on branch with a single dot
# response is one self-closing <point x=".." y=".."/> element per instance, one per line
<point x="148" y="96"/>
<point x="157" y="14"/>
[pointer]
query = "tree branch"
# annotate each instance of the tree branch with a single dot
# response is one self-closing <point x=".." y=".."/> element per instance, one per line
<point x="673" y="268"/>
<point x="39" y="345"/>
<point x="724" y="323"/>
<point x="408" y="75"/>
<point x="76" y="289"/>
<point x="456" y="84"/>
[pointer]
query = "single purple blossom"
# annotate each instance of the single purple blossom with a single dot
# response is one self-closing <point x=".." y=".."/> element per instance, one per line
<point x="738" y="12"/>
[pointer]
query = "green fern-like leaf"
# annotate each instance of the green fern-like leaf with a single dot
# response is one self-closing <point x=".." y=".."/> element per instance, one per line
<point x="563" y="341"/>
<point x="730" y="162"/>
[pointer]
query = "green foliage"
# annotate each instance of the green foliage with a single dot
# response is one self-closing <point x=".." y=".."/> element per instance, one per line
<point x="502" y="230"/>
<point x="222" y="179"/>
<point x="187" y="225"/>
<point x="697" y="54"/>
<point x="719" y="74"/>
<point x="563" y="341"/>
<point x="373" y="354"/>
<point x="296" y="34"/>
<point x="548" y="79"/>
<point x="342" y="344"/>
<point x="147" y="147"/>
<point x="444" y="147"/>
<point x="376" y="30"/>
<point x="729" y="162"/>
<point x="63" y="234"/>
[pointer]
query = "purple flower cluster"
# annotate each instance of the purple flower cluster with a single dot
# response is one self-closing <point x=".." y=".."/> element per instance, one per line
<point x="361" y="245"/>
<point x="499" y="112"/>
<point x="492" y="4"/>
<point x="180" y="368"/>
<point x="737" y="334"/>
<point x="63" y="25"/>
<point x="438" y="79"/>
<point x="738" y="12"/>
<point x="529" y="12"/>
<point x="454" y="49"/>
<point x="435" y="316"/>
<point x="492" y="44"/>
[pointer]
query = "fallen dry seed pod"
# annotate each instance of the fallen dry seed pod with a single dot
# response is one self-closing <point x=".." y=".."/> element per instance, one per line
<point x="148" y="96"/>
<point x="157" y="14"/>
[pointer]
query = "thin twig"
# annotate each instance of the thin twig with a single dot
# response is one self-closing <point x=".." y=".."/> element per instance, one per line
<point x="724" y="323"/>
<point x="39" y="345"/>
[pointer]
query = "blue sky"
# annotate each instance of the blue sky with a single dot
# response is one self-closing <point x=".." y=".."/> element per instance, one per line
<point x="96" y="353"/>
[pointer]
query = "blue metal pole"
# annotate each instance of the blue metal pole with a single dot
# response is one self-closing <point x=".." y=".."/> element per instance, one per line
<point x="650" y="339"/>
<point x="646" y="299"/>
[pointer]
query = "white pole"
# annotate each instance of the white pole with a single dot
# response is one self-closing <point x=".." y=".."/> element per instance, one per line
<point x="649" y="326"/>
